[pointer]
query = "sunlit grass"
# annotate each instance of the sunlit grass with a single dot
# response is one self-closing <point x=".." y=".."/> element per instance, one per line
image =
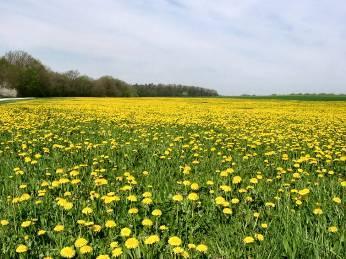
<point x="161" y="178"/>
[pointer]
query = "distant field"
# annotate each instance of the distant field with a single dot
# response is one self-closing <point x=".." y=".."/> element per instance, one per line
<point x="172" y="178"/>
<point x="297" y="97"/>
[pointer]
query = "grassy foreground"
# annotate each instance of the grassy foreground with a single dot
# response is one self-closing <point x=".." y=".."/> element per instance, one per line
<point x="170" y="178"/>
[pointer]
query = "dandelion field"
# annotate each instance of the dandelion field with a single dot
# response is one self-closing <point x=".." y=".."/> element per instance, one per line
<point x="172" y="178"/>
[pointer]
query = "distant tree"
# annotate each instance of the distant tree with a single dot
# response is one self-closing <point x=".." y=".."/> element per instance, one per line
<point x="4" y="70"/>
<point x="28" y="75"/>
<point x="84" y="85"/>
<point x="109" y="86"/>
<point x="20" y="71"/>
<point x="172" y="90"/>
<point x="21" y="59"/>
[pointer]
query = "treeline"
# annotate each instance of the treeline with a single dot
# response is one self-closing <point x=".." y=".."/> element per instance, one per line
<point x="172" y="90"/>
<point x="30" y="78"/>
<point x="298" y="97"/>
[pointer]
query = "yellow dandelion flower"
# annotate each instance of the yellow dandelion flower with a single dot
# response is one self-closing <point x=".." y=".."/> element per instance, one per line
<point x="264" y="225"/>
<point x="86" y="249"/>
<point x="191" y="246"/>
<point x="67" y="252"/>
<point x="147" y="194"/>
<point x="259" y="237"/>
<point x="318" y="211"/>
<point x="202" y="248"/>
<point x="132" y="243"/>
<point x="236" y="179"/>
<point x="4" y="222"/>
<point x="26" y="224"/>
<point x="177" y="197"/>
<point x="163" y="227"/>
<point x="133" y="211"/>
<point x="219" y="200"/>
<point x="117" y="252"/>
<point x="185" y="254"/>
<point x="304" y="192"/>
<point x="80" y="242"/>
<point x="227" y="211"/>
<point x="269" y="204"/>
<point x="209" y="182"/>
<point x="248" y="240"/>
<point x="59" y="228"/>
<point x="156" y="212"/>
<point x="337" y="200"/>
<point x="147" y="201"/>
<point x="174" y="241"/>
<point x="68" y="205"/>
<point x="132" y="198"/>
<point x="178" y="250"/>
<point x="194" y="186"/>
<point x="41" y="232"/>
<point x="152" y="240"/>
<point x="193" y="196"/>
<point x="147" y="222"/>
<point x="333" y="229"/>
<point x="87" y="211"/>
<point x="21" y="249"/>
<point x="125" y="232"/>
<point x="96" y="228"/>
<point x="235" y="201"/>
<point x="254" y="180"/>
<point x="110" y="224"/>
<point x="114" y="244"/>
<point x="81" y="222"/>
<point x="226" y="188"/>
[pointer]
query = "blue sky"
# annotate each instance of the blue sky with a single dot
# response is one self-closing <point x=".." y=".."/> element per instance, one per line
<point x="233" y="46"/>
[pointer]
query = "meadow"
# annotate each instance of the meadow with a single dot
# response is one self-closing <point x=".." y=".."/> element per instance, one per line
<point x="172" y="178"/>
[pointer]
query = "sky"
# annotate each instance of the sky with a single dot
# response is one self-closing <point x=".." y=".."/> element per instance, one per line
<point x="233" y="46"/>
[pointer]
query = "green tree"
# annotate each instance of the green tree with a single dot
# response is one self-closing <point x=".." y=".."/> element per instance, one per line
<point x="30" y="77"/>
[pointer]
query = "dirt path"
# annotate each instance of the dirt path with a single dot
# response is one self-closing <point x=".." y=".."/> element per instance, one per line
<point x="14" y="99"/>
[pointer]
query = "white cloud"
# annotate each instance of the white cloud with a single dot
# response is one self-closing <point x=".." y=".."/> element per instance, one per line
<point x="234" y="46"/>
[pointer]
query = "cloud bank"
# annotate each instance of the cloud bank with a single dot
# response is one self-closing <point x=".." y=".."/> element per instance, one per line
<point x="233" y="46"/>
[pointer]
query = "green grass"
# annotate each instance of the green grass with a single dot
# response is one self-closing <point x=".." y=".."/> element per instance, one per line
<point x="98" y="143"/>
